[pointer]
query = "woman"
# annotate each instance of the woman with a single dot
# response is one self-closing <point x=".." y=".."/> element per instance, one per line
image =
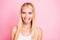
<point x="26" y="29"/>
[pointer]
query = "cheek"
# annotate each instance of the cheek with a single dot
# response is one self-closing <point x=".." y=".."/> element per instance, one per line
<point x="31" y="16"/>
<point x="22" y="16"/>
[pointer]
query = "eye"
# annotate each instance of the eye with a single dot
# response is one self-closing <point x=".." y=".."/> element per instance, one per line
<point x="30" y="12"/>
<point x="23" y="12"/>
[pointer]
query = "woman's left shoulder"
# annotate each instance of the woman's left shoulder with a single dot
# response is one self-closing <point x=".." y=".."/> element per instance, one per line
<point x="39" y="33"/>
<point x="39" y="30"/>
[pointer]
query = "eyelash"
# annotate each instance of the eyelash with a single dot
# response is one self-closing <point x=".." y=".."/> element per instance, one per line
<point x="24" y="13"/>
<point x="30" y="13"/>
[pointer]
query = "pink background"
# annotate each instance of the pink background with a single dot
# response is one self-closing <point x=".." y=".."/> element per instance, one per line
<point x="47" y="17"/>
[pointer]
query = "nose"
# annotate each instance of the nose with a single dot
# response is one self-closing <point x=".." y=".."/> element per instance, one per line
<point x="26" y="14"/>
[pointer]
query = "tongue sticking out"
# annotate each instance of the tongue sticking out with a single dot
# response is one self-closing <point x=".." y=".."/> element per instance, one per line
<point x="26" y="20"/>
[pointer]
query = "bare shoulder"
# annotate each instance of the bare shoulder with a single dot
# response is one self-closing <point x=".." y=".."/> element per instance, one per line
<point x="39" y="30"/>
<point x="39" y="33"/>
<point x="14" y="29"/>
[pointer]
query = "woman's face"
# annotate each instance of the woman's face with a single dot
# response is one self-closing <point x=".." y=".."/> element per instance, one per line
<point x="27" y="14"/>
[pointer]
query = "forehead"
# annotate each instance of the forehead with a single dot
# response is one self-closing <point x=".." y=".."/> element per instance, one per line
<point x="27" y="9"/>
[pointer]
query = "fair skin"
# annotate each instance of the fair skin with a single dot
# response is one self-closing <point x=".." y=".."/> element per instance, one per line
<point x="27" y="16"/>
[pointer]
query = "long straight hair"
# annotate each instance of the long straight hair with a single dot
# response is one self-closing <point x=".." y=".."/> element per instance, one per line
<point x="20" y="24"/>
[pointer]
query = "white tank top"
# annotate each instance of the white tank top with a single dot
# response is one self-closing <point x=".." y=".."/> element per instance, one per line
<point x="21" y="37"/>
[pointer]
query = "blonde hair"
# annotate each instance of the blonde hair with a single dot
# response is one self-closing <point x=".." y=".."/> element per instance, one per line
<point x="20" y="20"/>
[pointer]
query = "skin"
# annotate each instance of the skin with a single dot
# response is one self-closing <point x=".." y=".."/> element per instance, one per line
<point x="27" y="16"/>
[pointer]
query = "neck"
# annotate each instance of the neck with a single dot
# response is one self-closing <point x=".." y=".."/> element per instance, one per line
<point x="28" y="26"/>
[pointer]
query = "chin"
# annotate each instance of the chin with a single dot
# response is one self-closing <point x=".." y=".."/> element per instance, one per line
<point x="27" y="22"/>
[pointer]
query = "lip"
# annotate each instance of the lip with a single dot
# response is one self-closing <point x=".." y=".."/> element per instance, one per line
<point x="27" y="19"/>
